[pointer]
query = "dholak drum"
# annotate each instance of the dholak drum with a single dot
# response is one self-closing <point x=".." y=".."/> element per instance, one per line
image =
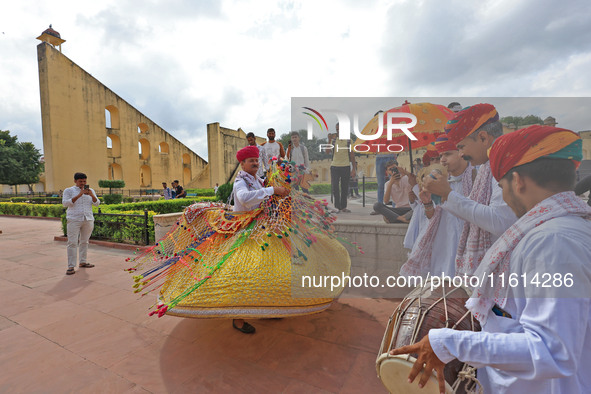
<point x="422" y="309"/>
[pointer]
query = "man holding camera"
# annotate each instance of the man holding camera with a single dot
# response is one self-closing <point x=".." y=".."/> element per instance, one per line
<point x="397" y="191"/>
<point x="79" y="200"/>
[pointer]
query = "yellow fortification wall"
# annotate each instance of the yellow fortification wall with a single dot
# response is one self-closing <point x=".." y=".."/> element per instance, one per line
<point x="76" y="109"/>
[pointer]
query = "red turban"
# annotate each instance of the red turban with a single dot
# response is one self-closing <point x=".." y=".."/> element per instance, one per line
<point x="469" y="120"/>
<point x="249" y="151"/>
<point x="430" y="154"/>
<point x="526" y="145"/>
<point x="443" y="144"/>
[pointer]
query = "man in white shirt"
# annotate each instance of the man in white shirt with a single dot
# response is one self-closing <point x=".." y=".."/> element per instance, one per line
<point x="535" y="338"/>
<point x="249" y="192"/>
<point x="474" y="130"/>
<point x="298" y="153"/>
<point x="434" y="251"/>
<point x="79" y="200"/>
<point x="166" y="192"/>
<point x="271" y="149"/>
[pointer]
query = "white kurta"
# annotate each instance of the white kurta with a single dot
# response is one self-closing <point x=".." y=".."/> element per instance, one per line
<point x="445" y="243"/>
<point x="262" y="162"/>
<point x="546" y="346"/>
<point x="494" y="218"/>
<point x="247" y="198"/>
<point x="418" y="221"/>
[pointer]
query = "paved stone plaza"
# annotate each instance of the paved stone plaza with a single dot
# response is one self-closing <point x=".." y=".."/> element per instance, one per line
<point x="89" y="333"/>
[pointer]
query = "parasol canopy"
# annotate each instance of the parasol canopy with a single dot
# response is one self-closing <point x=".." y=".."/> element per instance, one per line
<point x="431" y="120"/>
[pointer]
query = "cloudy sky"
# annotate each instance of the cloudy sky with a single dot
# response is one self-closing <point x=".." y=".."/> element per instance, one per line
<point x="185" y="64"/>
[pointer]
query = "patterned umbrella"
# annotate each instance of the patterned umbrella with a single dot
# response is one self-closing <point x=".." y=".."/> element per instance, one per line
<point x="431" y="120"/>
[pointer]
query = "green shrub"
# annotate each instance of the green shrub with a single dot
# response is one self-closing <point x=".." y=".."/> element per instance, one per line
<point x="201" y="192"/>
<point x="24" y="209"/>
<point x="112" y="198"/>
<point x="224" y="192"/>
<point x="158" y="206"/>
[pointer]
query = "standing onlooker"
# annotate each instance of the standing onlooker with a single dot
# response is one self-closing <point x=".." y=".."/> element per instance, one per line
<point x="79" y="200"/>
<point x="179" y="191"/>
<point x="215" y="189"/>
<point x="271" y="148"/>
<point x="397" y="191"/>
<point x="252" y="141"/>
<point x="166" y="192"/>
<point x="340" y="169"/>
<point x="298" y="153"/>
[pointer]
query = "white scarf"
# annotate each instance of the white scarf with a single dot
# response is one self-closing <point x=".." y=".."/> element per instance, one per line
<point x="498" y="257"/>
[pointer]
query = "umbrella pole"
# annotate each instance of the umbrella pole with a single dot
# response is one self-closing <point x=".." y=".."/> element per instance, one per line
<point x="410" y="153"/>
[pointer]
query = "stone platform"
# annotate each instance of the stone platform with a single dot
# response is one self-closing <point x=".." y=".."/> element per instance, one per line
<point x="89" y="333"/>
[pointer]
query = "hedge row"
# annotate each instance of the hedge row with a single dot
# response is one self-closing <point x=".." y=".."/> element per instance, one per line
<point x="56" y="210"/>
<point x="201" y="192"/>
<point x="161" y="206"/>
<point x="37" y="200"/>
<point x="24" y="209"/>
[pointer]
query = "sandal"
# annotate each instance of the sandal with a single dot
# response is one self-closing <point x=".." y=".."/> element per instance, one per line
<point x="70" y="271"/>
<point x="246" y="328"/>
<point x="85" y="265"/>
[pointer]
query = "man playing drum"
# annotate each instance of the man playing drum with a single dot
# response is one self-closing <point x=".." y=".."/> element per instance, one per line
<point x="536" y="333"/>
<point x="487" y="216"/>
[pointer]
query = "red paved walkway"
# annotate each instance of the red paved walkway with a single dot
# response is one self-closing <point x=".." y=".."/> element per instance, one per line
<point x="89" y="333"/>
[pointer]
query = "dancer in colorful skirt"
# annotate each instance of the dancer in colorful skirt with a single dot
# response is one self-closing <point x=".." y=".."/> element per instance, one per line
<point x="532" y="298"/>
<point x="250" y="261"/>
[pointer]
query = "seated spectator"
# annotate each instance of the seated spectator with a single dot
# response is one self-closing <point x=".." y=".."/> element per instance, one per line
<point x="397" y="192"/>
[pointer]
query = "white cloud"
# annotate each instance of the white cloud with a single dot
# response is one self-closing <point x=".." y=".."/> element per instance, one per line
<point x="185" y="64"/>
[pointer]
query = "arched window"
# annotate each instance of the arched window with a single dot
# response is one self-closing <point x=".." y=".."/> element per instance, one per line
<point x="142" y="128"/>
<point x="115" y="171"/>
<point x="163" y="147"/>
<point x="145" y="176"/>
<point x="186" y="158"/>
<point x="186" y="176"/>
<point x="111" y="117"/>
<point x="113" y="146"/>
<point x="144" y="149"/>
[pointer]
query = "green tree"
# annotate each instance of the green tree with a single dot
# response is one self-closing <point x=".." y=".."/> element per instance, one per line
<point x="520" y="121"/>
<point x="20" y="162"/>
<point x="313" y="145"/>
<point x="112" y="183"/>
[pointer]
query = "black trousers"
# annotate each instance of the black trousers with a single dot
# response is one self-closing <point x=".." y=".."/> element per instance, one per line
<point x="339" y="180"/>
<point x="390" y="213"/>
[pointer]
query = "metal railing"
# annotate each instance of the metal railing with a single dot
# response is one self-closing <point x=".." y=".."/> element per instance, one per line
<point x="124" y="228"/>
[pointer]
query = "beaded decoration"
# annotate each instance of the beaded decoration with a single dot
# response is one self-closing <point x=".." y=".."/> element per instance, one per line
<point x="218" y="263"/>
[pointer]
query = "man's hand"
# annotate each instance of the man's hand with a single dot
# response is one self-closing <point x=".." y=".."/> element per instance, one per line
<point x="427" y="361"/>
<point x="438" y="185"/>
<point x="280" y="191"/>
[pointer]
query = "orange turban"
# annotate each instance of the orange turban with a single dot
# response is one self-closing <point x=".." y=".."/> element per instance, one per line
<point x="469" y="120"/>
<point x="430" y="154"/>
<point x="526" y="145"/>
<point x="249" y="151"/>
